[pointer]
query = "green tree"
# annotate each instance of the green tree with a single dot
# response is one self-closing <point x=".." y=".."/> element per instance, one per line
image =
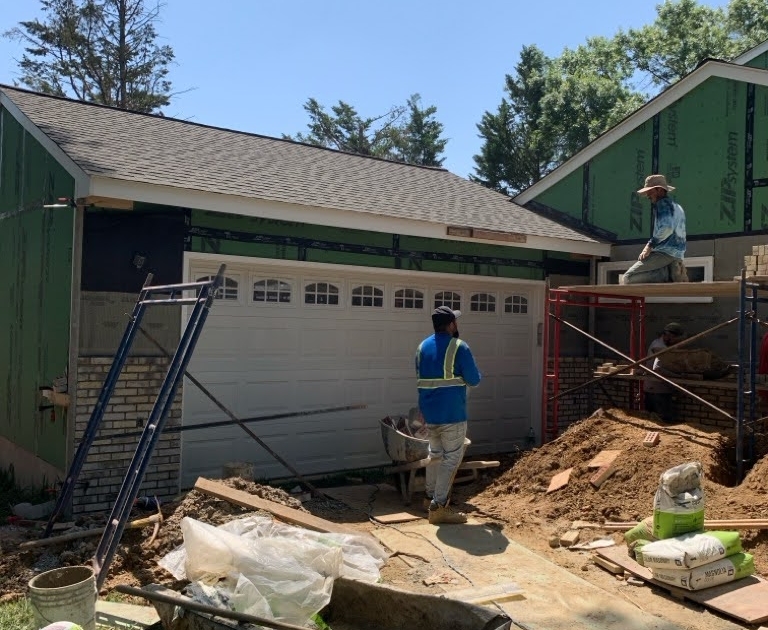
<point x="102" y="51"/>
<point x="553" y="108"/>
<point x="517" y="149"/>
<point x="419" y="140"/>
<point x="407" y="133"/>
<point x="685" y="33"/>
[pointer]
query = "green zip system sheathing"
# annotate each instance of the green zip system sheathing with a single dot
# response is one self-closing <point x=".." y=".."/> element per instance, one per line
<point x="212" y="232"/>
<point x="35" y="275"/>
<point x="761" y="61"/>
<point x="700" y="143"/>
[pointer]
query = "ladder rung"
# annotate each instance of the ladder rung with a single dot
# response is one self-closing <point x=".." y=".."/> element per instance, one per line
<point x="171" y="301"/>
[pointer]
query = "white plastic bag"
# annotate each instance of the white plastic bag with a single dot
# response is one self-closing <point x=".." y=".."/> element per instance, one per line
<point x="270" y="569"/>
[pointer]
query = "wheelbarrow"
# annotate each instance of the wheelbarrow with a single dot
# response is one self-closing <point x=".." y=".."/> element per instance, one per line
<point x="410" y="453"/>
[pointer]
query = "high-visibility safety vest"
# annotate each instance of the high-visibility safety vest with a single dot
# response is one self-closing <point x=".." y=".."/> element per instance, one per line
<point x="449" y="377"/>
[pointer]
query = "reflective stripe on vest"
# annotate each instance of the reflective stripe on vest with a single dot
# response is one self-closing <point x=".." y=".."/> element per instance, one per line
<point x="449" y="378"/>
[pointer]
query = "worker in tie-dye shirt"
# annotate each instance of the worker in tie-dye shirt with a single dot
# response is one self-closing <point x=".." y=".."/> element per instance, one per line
<point x="662" y="257"/>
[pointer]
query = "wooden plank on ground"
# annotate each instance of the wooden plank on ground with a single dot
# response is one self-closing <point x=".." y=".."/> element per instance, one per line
<point x="745" y="599"/>
<point x="603" y="458"/>
<point x="284" y="513"/>
<point x="487" y="594"/>
<point x="560" y="480"/>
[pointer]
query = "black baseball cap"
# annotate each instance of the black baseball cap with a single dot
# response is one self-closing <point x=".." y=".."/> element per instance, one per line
<point x="673" y="328"/>
<point x="443" y="314"/>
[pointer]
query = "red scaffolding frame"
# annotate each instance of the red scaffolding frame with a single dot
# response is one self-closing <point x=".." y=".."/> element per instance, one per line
<point x="554" y="302"/>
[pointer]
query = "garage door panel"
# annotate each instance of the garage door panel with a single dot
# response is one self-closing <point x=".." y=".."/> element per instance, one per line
<point x="366" y="343"/>
<point x="319" y="343"/>
<point x="364" y="391"/>
<point x="280" y="358"/>
<point x="201" y="407"/>
<point x="265" y="397"/>
<point x="271" y="341"/>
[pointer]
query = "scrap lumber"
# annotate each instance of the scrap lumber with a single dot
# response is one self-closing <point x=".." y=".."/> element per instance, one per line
<point x="487" y="594"/>
<point x="603" y="458"/>
<point x="743" y="523"/>
<point x="745" y="599"/>
<point x="608" y="565"/>
<point x="155" y="520"/>
<point x="560" y="480"/>
<point x="282" y="512"/>
<point x="570" y="538"/>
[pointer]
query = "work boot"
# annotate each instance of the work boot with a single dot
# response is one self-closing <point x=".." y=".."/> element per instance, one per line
<point x="678" y="272"/>
<point x="444" y="514"/>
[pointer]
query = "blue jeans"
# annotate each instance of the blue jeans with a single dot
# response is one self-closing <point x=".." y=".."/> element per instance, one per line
<point x="655" y="268"/>
<point x="446" y="450"/>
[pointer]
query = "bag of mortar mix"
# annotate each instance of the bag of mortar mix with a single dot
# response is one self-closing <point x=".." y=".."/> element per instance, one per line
<point x="689" y="550"/>
<point x="642" y="531"/>
<point x="721" y="571"/>
<point x="678" y="506"/>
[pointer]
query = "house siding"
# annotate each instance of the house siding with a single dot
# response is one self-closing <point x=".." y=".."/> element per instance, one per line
<point x="35" y="273"/>
<point x="699" y="143"/>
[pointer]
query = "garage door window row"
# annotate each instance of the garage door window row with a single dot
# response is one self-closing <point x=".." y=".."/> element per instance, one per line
<point x="328" y="293"/>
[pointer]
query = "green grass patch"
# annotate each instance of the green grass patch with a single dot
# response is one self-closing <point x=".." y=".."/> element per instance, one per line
<point x="12" y="493"/>
<point x="16" y="616"/>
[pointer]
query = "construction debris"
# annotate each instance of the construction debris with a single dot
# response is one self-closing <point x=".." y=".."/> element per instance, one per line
<point x="651" y="438"/>
<point x="570" y="538"/>
<point x="560" y="480"/>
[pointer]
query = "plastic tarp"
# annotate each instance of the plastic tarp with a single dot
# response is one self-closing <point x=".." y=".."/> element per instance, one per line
<point x="271" y="570"/>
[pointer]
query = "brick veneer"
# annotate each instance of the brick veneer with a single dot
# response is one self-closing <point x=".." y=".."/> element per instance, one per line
<point x="573" y="407"/>
<point x="129" y="408"/>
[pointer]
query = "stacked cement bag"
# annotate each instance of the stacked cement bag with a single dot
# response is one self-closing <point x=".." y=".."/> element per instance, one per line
<point x="673" y="545"/>
<point x="696" y="561"/>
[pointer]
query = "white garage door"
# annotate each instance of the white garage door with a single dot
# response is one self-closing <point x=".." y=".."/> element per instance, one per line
<point x="288" y="337"/>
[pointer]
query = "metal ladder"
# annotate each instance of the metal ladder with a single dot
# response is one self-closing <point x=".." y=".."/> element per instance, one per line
<point x="149" y="296"/>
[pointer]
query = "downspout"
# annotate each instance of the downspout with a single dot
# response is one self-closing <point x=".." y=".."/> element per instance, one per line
<point x="74" y="328"/>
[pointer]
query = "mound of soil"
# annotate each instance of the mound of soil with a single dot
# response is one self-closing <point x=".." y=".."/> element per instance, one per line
<point x="519" y="495"/>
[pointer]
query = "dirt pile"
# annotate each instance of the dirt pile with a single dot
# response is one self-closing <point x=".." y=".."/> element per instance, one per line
<point x="519" y="494"/>
<point x="135" y="562"/>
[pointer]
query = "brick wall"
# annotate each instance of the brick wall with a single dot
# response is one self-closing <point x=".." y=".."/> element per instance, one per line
<point x="576" y="406"/>
<point x="129" y="408"/>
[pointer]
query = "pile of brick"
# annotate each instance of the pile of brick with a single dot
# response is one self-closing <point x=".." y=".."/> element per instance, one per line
<point x="756" y="264"/>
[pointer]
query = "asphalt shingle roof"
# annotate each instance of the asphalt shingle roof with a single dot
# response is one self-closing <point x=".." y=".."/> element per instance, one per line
<point x="123" y="145"/>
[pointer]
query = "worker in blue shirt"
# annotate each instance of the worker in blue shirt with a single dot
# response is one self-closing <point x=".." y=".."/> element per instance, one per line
<point x="444" y="367"/>
<point x="662" y="257"/>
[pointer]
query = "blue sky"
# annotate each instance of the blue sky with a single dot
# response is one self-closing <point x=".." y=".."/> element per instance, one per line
<point x="251" y="64"/>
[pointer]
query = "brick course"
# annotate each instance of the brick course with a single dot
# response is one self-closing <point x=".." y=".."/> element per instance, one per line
<point x="573" y="407"/>
<point x="128" y="410"/>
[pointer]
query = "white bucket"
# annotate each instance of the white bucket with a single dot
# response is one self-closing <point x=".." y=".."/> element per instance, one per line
<point x="66" y="594"/>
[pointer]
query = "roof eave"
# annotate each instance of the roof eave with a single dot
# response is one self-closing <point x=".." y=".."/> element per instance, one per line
<point x="244" y="206"/>
<point x="82" y="179"/>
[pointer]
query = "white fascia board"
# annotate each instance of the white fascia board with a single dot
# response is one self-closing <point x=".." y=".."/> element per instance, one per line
<point x="82" y="180"/>
<point x="751" y="53"/>
<point x="231" y="204"/>
<point x="646" y="112"/>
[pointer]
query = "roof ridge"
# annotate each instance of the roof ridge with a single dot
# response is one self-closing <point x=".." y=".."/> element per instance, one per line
<point x="4" y="86"/>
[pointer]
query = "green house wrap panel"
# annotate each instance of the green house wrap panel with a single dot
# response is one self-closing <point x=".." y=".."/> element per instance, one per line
<point x="409" y="247"/>
<point x="614" y="177"/>
<point x="760" y="208"/>
<point x="701" y="150"/>
<point x="761" y="61"/>
<point x="566" y="195"/>
<point x="35" y="272"/>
